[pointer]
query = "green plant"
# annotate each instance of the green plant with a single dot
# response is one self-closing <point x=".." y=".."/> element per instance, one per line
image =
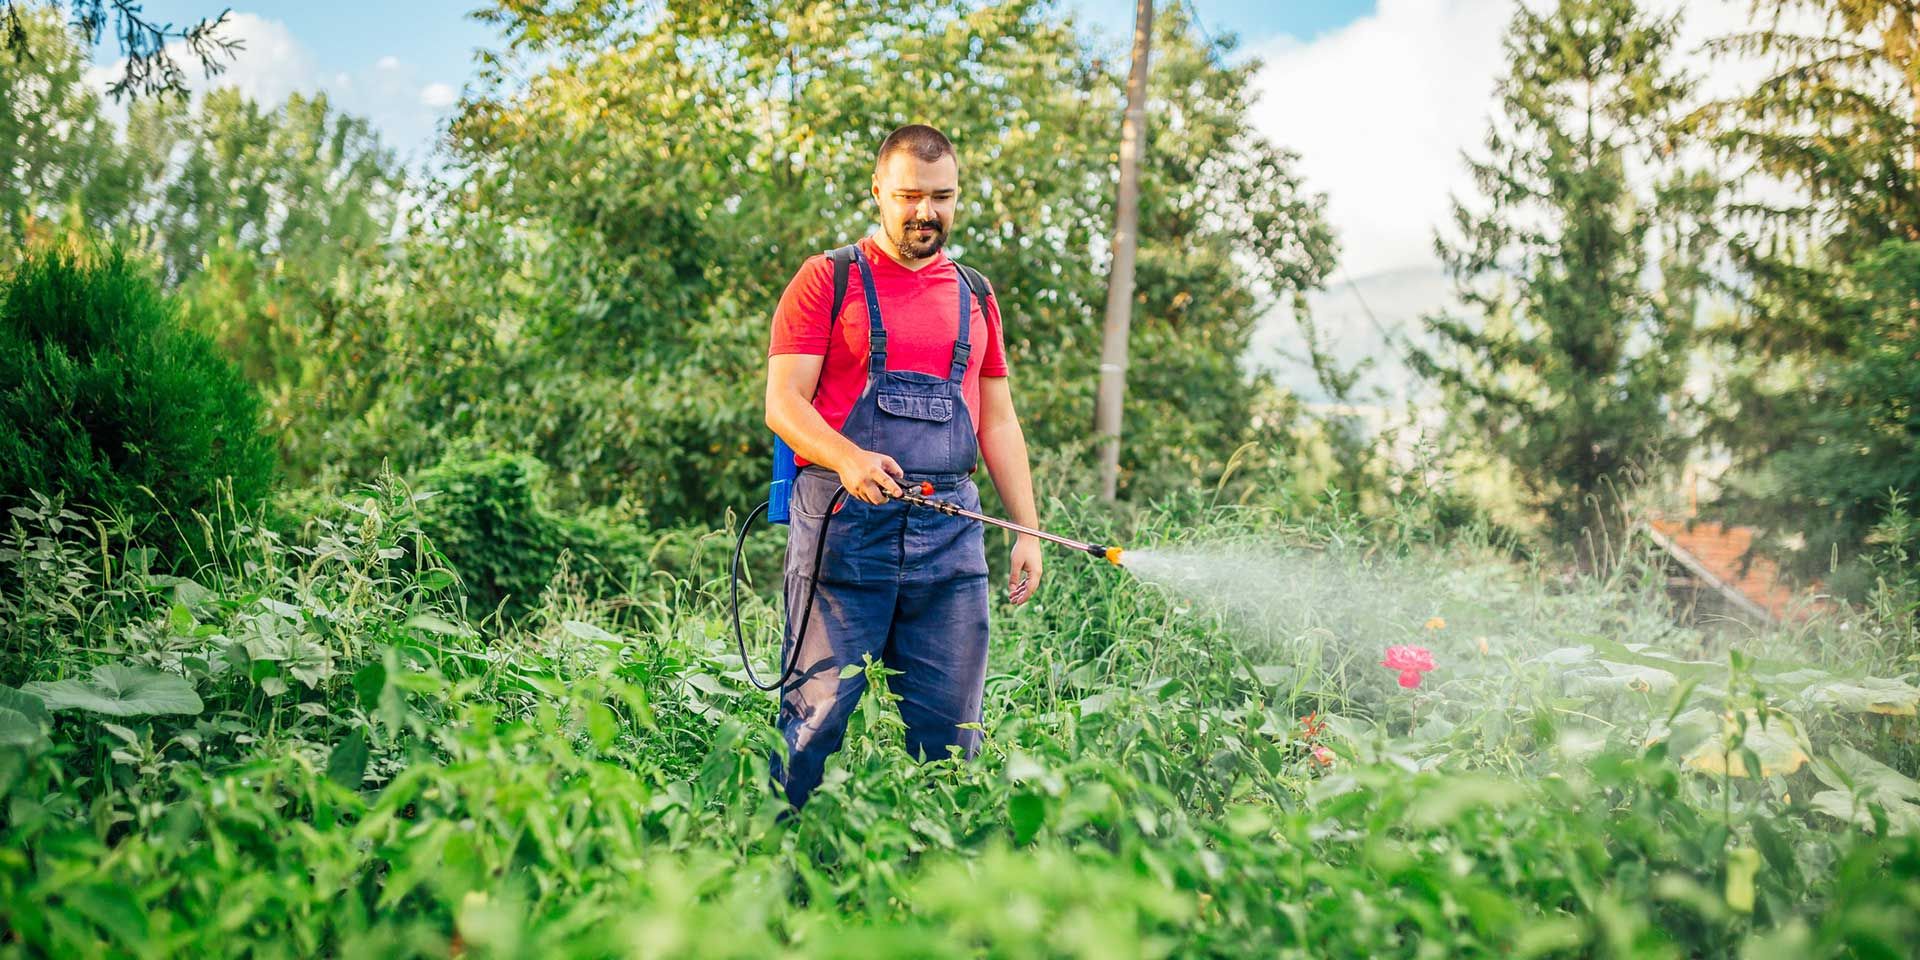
<point x="107" y="401"/>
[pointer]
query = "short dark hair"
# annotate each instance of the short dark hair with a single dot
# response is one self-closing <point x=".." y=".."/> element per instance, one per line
<point x="918" y="139"/>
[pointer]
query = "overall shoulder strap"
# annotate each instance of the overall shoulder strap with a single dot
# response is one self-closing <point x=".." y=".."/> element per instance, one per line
<point x="842" y="258"/>
<point x="981" y="291"/>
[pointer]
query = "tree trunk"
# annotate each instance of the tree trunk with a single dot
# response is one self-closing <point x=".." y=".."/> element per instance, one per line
<point x="1113" y="350"/>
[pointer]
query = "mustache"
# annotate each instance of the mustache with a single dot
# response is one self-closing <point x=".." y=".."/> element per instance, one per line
<point x="933" y="225"/>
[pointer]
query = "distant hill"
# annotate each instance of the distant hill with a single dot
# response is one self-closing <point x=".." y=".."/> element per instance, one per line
<point x="1372" y="316"/>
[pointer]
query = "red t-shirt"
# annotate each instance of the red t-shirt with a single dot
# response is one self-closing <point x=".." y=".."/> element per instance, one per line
<point x="921" y="311"/>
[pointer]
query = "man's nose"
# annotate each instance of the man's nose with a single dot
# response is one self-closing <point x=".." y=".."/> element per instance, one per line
<point x="924" y="209"/>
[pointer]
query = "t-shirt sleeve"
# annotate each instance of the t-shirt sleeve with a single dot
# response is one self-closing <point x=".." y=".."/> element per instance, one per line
<point x="994" y="362"/>
<point x="800" y="322"/>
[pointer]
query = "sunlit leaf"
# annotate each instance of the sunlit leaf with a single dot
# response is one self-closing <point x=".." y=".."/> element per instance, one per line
<point x="1778" y="745"/>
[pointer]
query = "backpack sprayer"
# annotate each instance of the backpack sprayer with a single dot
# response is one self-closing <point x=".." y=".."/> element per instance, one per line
<point x="777" y="508"/>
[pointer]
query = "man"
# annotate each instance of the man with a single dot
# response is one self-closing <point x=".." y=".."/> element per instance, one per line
<point x="908" y="385"/>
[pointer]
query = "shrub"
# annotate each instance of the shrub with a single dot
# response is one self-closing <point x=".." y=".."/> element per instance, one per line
<point x="487" y="514"/>
<point x="108" y="401"/>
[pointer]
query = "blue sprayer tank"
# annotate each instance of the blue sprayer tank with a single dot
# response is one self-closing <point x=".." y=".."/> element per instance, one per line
<point x="780" y="491"/>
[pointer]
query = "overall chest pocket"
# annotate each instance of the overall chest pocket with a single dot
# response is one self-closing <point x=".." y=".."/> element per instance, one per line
<point x="915" y="406"/>
<point x="916" y="426"/>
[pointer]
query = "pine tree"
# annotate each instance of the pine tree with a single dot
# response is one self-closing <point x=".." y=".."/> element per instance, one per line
<point x="1570" y="369"/>
<point x="1812" y="406"/>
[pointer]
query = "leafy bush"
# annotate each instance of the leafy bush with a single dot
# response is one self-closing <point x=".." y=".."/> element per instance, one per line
<point x="319" y="755"/>
<point x="107" y="401"/>
<point x="489" y="514"/>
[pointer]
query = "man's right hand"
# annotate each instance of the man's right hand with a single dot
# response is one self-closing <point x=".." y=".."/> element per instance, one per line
<point x="870" y="476"/>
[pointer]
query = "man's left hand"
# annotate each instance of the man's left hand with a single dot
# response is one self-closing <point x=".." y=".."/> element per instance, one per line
<point x="1025" y="575"/>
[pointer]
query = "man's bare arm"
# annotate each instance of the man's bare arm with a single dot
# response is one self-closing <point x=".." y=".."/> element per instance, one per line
<point x="1004" y="446"/>
<point x="791" y="379"/>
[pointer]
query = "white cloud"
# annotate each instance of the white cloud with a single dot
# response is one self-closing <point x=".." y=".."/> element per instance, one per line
<point x="269" y="65"/>
<point x="1382" y="109"/>
<point x="273" y="64"/>
<point x="1380" y="112"/>
<point x="437" y="96"/>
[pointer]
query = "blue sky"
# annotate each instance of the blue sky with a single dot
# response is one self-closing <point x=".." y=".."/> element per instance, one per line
<point x="437" y="36"/>
<point x="402" y="65"/>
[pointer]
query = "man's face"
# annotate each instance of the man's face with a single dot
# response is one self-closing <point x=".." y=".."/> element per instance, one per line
<point x="916" y="202"/>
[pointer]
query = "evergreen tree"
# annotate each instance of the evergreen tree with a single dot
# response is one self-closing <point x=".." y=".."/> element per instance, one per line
<point x="1570" y="369"/>
<point x="1820" y="308"/>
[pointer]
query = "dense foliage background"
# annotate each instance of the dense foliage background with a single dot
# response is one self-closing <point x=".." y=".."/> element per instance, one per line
<point x="362" y="576"/>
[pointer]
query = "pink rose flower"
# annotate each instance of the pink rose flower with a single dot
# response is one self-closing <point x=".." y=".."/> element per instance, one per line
<point x="1410" y="661"/>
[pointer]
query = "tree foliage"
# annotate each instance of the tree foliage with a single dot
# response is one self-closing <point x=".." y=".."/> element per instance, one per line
<point x="148" y="66"/>
<point x="1820" y="315"/>
<point x="1572" y="368"/>
<point x="678" y="172"/>
<point x="274" y="226"/>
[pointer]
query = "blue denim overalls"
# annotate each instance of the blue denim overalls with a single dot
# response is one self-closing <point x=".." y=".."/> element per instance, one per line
<point x="905" y="584"/>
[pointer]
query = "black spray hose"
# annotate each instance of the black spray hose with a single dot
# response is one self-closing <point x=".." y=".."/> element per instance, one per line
<point x="792" y="658"/>
<point x="917" y="495"/>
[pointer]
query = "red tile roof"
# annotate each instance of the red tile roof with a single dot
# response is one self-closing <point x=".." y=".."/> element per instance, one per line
<point x="1720" y="551"/>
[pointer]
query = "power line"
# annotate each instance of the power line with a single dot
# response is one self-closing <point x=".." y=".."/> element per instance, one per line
<point x="1194" y="14"/>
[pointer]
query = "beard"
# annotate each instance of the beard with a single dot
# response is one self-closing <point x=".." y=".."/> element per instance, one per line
<point x="912" y="246"/>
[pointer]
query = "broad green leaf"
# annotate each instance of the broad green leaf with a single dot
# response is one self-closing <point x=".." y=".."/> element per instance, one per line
<point x="1742" y="864"/>
<point x="284" y="609"/>
<point x="434" y="623"/>
<point x="1856" y="775"/>
<point x="368" y="682"/>
<point x="1566" y="656"/>
<point x="705" y="683"/>
<point x="114" y="908"/>
<point x="1902" y="818"/>
<point x="179" y="619"/>
<point x="347" y="764"/>
<point x="1778" y="746"/>
<point x="121" y="691"/>
<point x="1633" y="678"/>
<point x="1026" y="811"/>
<point x="1274" y="675"/>
<point x="1867" y="695"/>
<point x="23" y="719"/>
<point x="436" y="579"/>
<point x="602" y="726"/>
<point x="1097" y="703"/>
<point x="1448" y="799"/>
<point x="587" y="631"/>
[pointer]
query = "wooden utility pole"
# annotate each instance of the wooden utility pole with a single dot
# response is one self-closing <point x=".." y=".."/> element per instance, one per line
<point x="1126" y="221"/>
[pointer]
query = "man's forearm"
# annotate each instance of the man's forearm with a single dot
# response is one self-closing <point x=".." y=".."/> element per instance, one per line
<point x="1004" y="447"/>
<point x="797" y="422"/>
